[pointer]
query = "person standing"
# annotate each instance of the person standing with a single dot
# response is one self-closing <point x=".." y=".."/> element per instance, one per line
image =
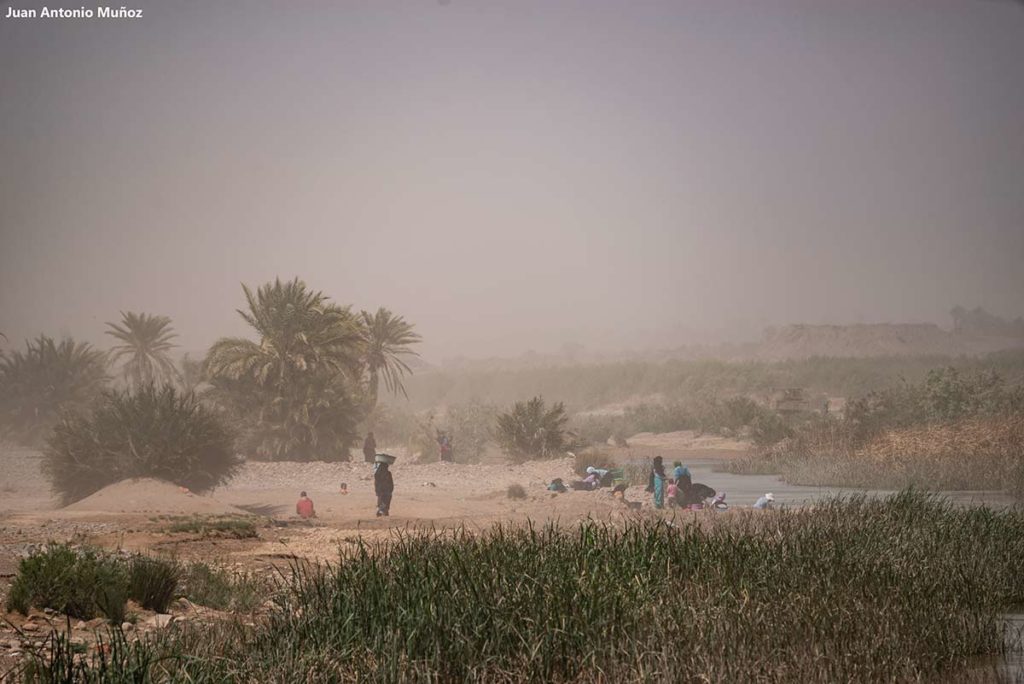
<point x="383" y="487"/>
<point x="369" y="448"/>
<point x="656" y="482"/>
<point x="445" y="444"/>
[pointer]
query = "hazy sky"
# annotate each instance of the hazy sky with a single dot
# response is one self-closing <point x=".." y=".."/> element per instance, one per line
<point x="515" y="175"/>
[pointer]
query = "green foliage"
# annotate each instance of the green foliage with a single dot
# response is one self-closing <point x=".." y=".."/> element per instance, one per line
<point x="150" y="432"/>
<point x="953" y="430"/>
<point x="531" y="431"/>
<point x="291" y="394"/>
<point x="387" y="338"/>
<point x="48" y="378"/>
<point x="145" y="345"/>
<point x="216" y="587"/>
<point x="903" y="589"/>
<point x="79" y="583"/>
<point x="153" y="582"/>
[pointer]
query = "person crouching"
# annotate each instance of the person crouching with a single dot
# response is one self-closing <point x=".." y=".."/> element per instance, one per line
<point x="304" y="508"/>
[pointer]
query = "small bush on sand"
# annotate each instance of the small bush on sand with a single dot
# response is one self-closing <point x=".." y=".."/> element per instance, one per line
<point x="79" y="583"/>
<point x="153" y="582"/>
<point x="516" y="491"/>
<point x="150" y="432"/>
<point x="531" y="430"/>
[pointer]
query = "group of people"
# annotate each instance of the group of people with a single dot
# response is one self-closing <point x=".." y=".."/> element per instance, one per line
<point x="679" y="489"/>
<point x="383" y="485"/>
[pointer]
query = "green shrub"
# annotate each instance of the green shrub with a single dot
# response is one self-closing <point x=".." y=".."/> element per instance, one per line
<point x="531" y="430"/>
<point x="153" y="582"/>
<point x="78" y="583"/>
<point x="149" y="432"/>
<point x="47" y="379"/>
<point x="216" y="587"/>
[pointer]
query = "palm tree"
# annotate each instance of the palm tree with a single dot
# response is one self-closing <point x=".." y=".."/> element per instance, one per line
<point x="300" y="331"/>
<point x="145" y="343"/>
<point x="45" y="380"/>
<point x="290" y="391"/>
<point x="387" y="338"/>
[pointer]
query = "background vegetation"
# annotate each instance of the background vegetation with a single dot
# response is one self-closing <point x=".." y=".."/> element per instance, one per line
<point x="48" y="378"/>
<point x="953" y="430"/>
<point x="583" y="387"/>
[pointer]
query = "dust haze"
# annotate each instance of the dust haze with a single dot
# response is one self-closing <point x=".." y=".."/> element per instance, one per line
<point x="516" y="176"/>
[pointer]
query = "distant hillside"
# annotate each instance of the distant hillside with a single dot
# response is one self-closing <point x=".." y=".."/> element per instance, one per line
<point x="882" y="339"/>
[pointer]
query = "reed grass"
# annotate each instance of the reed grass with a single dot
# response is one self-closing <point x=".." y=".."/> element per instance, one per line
<point x="854" y="589"/>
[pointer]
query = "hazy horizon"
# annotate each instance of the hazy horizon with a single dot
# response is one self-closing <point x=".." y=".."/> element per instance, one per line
<point x="516" y="176"/>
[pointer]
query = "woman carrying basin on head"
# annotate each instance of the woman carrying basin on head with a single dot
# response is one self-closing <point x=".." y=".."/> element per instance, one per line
<point x="383" y="483"/>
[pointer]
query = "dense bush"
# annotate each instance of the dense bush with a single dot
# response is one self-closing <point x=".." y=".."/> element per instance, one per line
<point x="148" y="432"/>
<point x="83" y="583"/>
<point x="47" y="379"/>
<point x="531" y="430"/>
<point x="153" y="582"/>
<point x="905" y="589"/>
<point x="79" y="583"/>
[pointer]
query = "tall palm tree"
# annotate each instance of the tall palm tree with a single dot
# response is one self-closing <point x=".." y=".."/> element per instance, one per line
<point x="146" y="345"/>
<point x="299" y="330"/>
<point x="387" y="338"/>
<point x="45" y="380"/>
<point x="290" y="390"/>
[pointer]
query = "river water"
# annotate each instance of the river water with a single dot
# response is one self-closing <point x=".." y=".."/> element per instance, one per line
<point x="743" y="490"/>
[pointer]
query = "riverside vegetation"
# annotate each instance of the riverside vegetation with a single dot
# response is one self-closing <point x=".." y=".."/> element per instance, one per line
<point x="904" y="588"/>
<point x="951" y="431"/>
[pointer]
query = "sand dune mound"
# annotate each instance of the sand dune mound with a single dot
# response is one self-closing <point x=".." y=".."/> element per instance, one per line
<point x="146" y="495"/>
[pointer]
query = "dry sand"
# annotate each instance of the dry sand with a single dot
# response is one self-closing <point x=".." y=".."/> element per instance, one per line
<point x="146" y="495"/>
